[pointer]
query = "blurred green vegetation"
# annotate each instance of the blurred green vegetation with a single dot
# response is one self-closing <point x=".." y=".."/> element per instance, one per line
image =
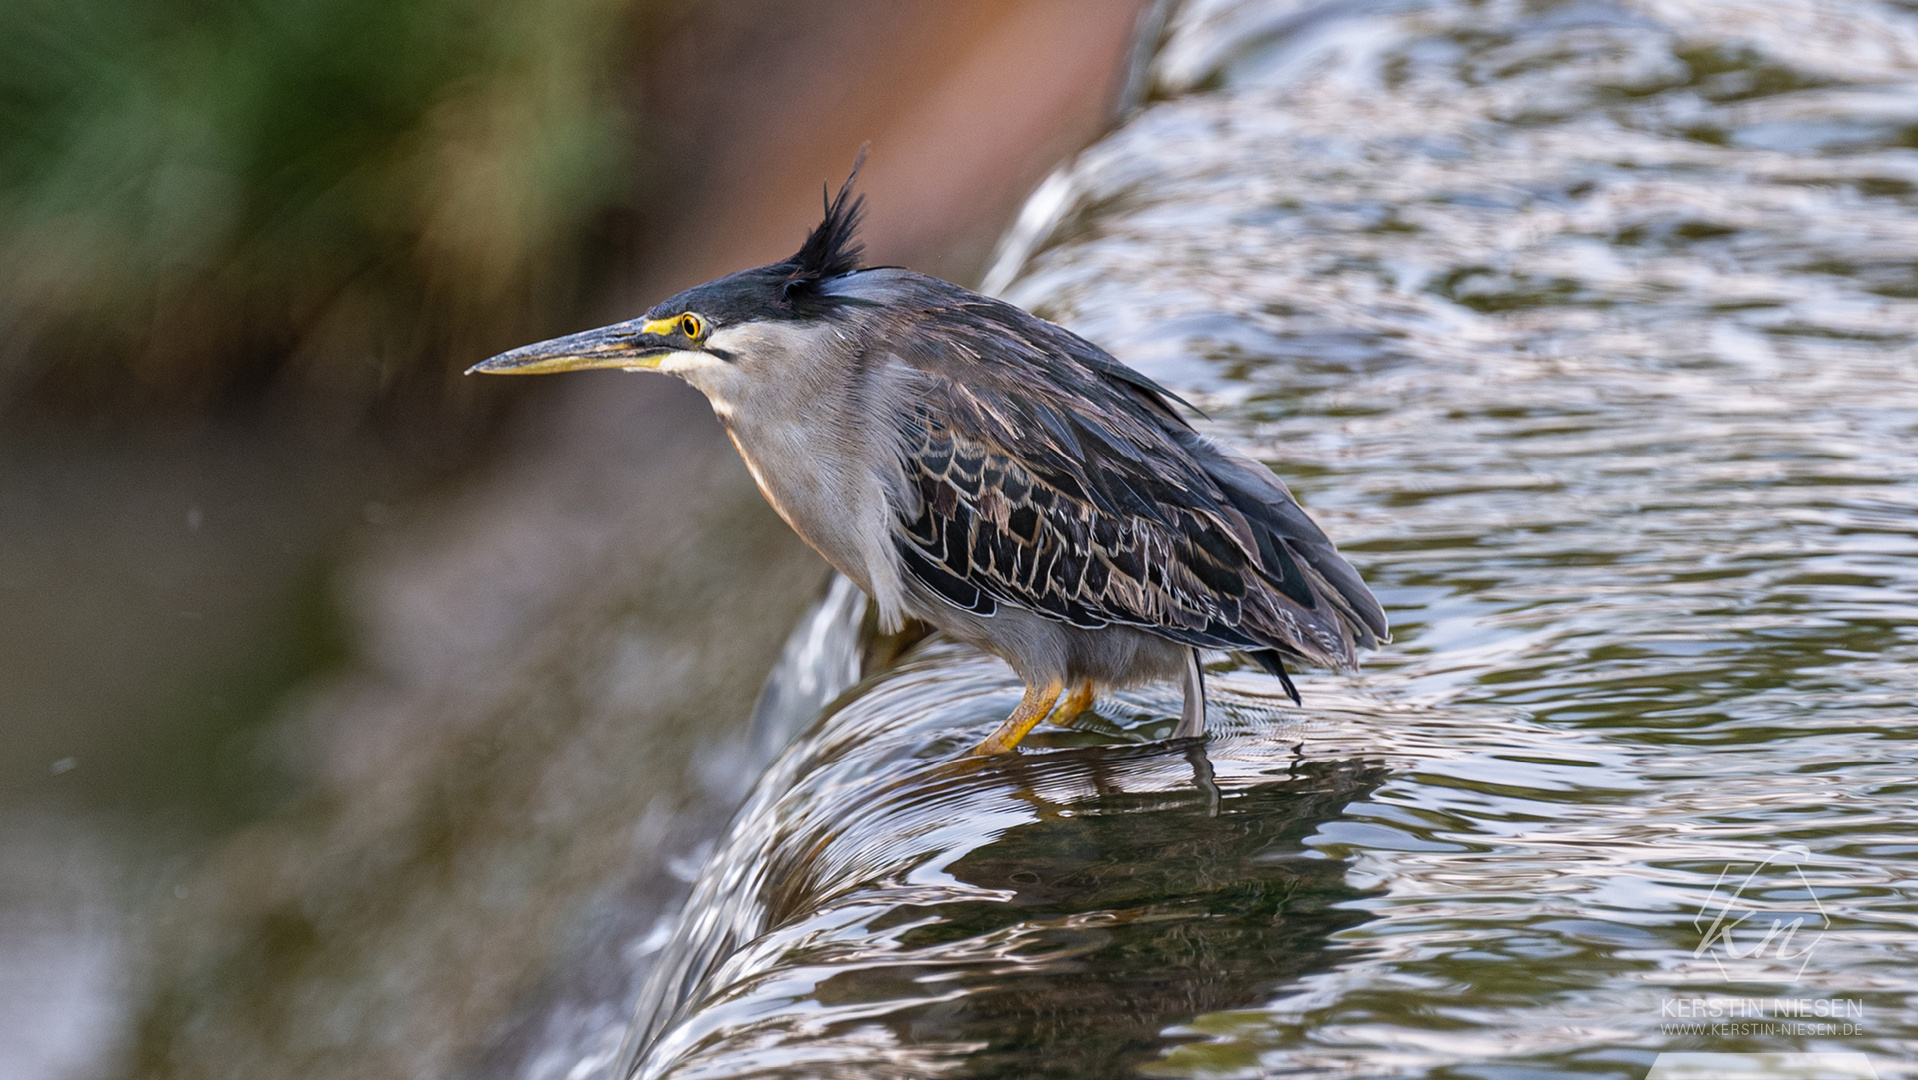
<point x="202" y="201"/>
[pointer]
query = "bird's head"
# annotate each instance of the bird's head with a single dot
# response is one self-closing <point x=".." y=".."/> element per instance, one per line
<point x="730" y="330"/>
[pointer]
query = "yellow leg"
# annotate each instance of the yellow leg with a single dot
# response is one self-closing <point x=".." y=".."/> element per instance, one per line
<point x="1033" y="708"/>
<point x="1075" y="703"/>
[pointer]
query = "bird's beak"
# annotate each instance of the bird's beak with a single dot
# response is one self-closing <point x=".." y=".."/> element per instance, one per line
<point x="634" y="344"/>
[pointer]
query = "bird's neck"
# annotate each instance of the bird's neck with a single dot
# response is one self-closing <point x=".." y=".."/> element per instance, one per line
<point x="823" y="478"/>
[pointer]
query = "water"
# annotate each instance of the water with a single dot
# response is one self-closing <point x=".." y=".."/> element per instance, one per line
<point x="1589" y="330"/>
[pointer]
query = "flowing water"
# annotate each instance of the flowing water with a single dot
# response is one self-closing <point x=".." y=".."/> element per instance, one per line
<point x="1591" y="331"/>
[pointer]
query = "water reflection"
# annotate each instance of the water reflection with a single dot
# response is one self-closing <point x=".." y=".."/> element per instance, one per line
<point x="881" y="902"/>
<point x="1129" y="913"/>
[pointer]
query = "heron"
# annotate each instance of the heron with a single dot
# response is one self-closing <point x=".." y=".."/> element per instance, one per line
<point x="1001" y="478"/>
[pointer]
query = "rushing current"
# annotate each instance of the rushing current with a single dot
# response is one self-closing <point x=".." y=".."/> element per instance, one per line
<point x="1588" y="330"/>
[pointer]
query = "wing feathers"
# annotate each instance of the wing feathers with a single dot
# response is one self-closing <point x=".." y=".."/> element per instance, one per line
<point x="1052" y="478"/>
<point x="1284" y="526"/>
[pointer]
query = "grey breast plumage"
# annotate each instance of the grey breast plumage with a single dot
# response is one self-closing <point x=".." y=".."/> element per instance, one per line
<point x="1046" y="475"/>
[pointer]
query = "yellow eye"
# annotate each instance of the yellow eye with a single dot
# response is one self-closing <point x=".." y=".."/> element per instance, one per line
<point x="691" y="326"/>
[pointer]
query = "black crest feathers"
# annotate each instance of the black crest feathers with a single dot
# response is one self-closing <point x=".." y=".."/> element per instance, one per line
<point x="831" y="249"/>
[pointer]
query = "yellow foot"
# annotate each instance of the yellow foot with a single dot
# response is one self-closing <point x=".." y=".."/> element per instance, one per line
<point x="1075" y="703"/>
<point x="1033" y="708"/>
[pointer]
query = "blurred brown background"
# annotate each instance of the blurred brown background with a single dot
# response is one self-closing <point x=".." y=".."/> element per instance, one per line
<point x="307" y="640"/>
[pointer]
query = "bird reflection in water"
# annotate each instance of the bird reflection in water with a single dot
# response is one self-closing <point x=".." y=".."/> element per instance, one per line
<point x="882" y="909"/>
<point x="1131" y="913"/>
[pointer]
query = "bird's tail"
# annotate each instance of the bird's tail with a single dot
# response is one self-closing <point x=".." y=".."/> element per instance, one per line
<point x="1277" y="519"/>
<point x="1274" y="664"/>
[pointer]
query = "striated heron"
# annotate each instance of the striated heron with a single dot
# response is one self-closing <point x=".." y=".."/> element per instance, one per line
<point x="1005" y="480"/>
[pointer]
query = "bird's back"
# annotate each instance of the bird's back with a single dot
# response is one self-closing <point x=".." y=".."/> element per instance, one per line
<point x="1044" y="474"/>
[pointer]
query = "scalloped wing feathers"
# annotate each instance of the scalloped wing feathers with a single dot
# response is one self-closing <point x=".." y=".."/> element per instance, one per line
<point x="1050" y="477"/>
